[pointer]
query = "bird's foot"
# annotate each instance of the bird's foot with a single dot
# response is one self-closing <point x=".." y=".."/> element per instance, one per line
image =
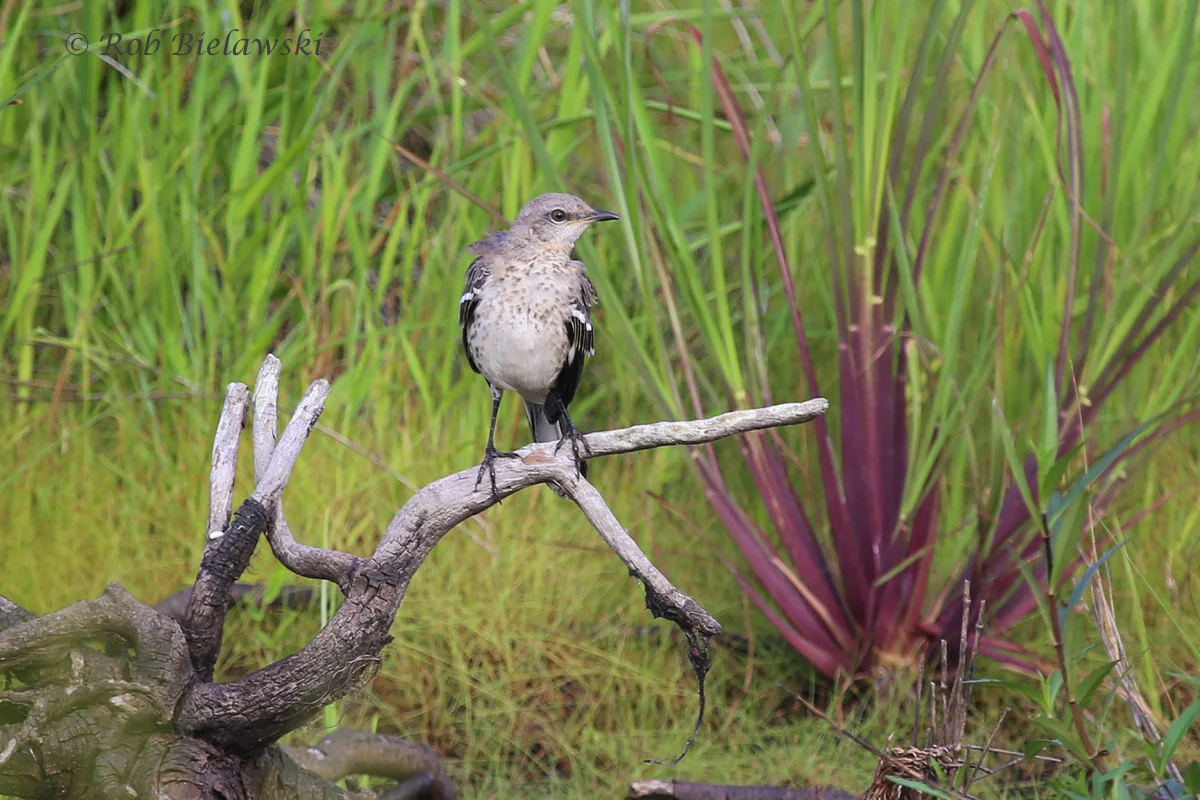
<point x="578" y="443"/>
<point x="489" y="464"/>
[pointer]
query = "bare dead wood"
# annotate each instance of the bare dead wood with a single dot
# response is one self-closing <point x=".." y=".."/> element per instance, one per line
<point x="97" y="724"/>
<point x="304" y="560"/>
<point x="414" y="788"/>
<point x="47" y="640"/>
<point x="228" y="552"/>
<point x="348" y="752"/>
<point x="260" y="707"/>
<point x="122" y="693"/>
<point x="226" y="441"/>
<point x="11" y="613"/>
<point x="241" y="594"/>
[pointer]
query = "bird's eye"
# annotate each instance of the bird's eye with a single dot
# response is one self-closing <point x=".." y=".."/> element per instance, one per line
<point x="558" y="215"/>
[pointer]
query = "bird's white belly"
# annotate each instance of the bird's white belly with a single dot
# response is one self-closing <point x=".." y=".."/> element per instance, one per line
<point x="521" y="354"/>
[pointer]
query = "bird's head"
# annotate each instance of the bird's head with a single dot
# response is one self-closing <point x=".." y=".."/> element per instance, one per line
<point x="556" y="219"/>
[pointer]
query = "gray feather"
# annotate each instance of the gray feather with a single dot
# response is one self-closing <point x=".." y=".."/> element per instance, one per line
<point x="544" y="430"/>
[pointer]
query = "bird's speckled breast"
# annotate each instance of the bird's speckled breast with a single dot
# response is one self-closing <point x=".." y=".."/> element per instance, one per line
<point x="519" y="339"/>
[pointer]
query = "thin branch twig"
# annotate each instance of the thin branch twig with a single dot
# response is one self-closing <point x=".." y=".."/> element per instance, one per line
<point x="224" y="458"/>
<point x="304" y="560"/>
<point x="348" y="752"/>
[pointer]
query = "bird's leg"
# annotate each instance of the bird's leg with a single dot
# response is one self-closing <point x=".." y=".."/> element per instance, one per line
<point x="490" y="454"/>
<point x="569" y="432"/>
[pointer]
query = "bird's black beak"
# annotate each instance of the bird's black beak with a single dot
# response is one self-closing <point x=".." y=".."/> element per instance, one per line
<point x="603" y="216"/>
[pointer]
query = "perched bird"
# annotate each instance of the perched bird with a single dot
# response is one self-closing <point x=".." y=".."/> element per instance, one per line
<point x="526" y="320"/>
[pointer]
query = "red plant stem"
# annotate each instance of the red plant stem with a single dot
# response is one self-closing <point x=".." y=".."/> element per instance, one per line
<point x="1056" y="627"/>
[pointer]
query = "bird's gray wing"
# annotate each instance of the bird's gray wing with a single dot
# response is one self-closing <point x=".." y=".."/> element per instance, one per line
<point x="477" y="276"/>
<point x="581" y="339"/>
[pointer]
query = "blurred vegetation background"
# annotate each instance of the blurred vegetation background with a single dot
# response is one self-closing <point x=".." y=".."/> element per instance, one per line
<point x="1001" y="211"/>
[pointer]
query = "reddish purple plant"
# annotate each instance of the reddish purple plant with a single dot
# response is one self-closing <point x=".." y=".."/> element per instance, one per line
<point x="863" y="601"/>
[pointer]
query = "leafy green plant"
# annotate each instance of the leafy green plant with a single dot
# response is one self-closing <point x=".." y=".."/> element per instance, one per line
<point x="1072" y="705"/>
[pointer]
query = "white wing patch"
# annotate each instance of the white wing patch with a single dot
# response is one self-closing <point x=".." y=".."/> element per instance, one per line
<point x="477" y="275"/>
<point x="579" y="328"/>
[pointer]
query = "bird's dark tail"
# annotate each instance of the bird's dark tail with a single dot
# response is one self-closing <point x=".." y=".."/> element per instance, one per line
<point x="544" y="430"/>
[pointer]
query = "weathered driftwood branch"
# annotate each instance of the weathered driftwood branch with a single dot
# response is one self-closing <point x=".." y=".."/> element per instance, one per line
<point x="348" y="752"/>
<point x="257" y="709"/>
<point x="293" y="597"/>
<point x="226" y="555"/>
<point x="53" y="724"/>
<point x="170" y="729"/>
<point x="304" y="560"/>
<point x="224" y="459"/>
<point x="11" y="613"/>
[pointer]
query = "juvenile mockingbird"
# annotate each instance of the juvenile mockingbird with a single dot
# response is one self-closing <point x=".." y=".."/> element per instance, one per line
<point x="526" y="318"/>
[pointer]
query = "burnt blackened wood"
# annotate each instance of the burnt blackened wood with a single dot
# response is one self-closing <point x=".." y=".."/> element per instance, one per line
<point x="221" y="566"/>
